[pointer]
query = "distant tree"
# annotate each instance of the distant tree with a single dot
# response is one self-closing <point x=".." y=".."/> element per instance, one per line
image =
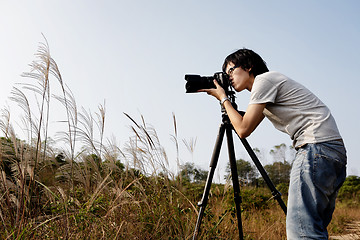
<point x="200" y="175"/>
<point x="258" y="153"/>
<point x="283" y="153"/>
<point x="279" y="172"/>
<point x="350" y="189"/>
<point x="246" y="172"/>
<point x="192" y="174"/>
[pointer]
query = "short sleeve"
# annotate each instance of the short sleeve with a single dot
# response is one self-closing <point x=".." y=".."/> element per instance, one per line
<point x="263" y="91"/>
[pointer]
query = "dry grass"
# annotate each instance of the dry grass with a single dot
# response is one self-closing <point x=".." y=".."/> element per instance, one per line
<point x="343" y="216"/>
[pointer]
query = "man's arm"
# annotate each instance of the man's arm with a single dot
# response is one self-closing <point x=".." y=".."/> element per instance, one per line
<point x="245" y="125"/>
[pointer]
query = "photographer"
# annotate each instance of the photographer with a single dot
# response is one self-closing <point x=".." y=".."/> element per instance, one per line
<point x="319" y="168"/>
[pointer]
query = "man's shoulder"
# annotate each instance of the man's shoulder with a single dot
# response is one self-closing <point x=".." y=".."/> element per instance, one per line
<point x="272" y="75"/>
<point x="270" y="78"/>
<point x="275" y="78"/>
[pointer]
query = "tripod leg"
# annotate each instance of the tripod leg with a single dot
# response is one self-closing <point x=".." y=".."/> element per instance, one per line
<point x="276" y="194"/>
<point x="213" y="163"/>
<point x="235" y="179"/>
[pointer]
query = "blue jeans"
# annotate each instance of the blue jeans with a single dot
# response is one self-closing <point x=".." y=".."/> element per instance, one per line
<point x="317" y="173"/>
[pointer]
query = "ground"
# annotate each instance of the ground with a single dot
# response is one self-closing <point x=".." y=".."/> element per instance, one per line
<point x="353" y="232"/>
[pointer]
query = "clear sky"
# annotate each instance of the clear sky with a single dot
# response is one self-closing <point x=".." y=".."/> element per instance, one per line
<point x="134" y="55"/>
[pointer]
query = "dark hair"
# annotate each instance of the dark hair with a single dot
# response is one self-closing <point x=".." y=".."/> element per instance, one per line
<point x="246" y="59"/>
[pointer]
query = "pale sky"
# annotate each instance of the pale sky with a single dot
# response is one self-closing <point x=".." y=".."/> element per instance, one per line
<point x="134" y="55"/>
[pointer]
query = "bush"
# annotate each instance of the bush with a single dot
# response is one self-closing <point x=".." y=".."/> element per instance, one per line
<point x="350" y="190"/>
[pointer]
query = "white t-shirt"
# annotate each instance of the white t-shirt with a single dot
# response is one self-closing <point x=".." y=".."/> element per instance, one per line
<point x="293" y="109"/>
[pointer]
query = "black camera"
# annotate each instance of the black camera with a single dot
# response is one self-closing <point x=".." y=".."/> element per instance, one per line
<point x="197" y="82"/>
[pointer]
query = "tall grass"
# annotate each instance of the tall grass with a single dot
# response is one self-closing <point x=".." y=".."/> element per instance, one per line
<point x="84" y="186"/>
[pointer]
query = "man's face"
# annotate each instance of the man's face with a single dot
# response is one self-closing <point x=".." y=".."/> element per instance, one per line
<point x="240" y="79"/>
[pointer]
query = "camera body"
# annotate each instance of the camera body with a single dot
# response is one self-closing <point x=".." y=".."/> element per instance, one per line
<point x="197" y="82"/>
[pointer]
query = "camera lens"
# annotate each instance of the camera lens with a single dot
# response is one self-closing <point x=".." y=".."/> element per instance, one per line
<point x="196" y="82"/>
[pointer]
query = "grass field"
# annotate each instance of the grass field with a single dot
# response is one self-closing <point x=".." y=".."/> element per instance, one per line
<point x="138" y="207"/>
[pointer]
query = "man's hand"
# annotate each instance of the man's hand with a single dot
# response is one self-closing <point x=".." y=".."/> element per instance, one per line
<point x="217" y="92"/>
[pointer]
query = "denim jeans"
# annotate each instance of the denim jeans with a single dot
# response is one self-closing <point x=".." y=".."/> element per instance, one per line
<point x="317" y="173"/>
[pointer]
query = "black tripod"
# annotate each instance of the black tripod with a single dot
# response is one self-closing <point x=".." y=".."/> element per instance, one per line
<point x="227" y="127"/>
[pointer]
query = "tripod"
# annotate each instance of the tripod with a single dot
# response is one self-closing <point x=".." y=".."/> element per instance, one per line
<point x="227" y="128"/>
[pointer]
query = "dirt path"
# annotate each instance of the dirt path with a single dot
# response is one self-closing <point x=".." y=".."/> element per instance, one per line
<point x="353" y="230"/>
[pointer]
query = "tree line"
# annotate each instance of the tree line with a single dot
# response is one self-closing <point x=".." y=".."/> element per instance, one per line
<point x="278" y="171"/>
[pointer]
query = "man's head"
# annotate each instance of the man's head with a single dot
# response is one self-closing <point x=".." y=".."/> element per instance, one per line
<point x="247" y="60"/>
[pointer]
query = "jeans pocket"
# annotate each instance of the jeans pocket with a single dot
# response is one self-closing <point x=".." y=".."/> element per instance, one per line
<point x="329" y="170"/>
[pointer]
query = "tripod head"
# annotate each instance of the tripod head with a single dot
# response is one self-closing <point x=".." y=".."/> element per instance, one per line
<point x="231" y="96"/>
<point x="225" y="117"/>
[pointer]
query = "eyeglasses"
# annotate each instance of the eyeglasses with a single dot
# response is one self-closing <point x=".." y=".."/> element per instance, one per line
<point x="231" y="70"/>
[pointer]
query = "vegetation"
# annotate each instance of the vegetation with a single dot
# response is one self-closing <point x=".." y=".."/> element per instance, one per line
<point x="83" y="186"/>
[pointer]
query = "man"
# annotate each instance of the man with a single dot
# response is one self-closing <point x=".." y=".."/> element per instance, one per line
<point x="319" y="168"/>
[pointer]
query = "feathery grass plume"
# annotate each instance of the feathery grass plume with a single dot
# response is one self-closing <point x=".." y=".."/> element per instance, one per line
<point x="145" y="150"/>
<point x="9" y="189"/>
<point x="68" y="101"/>
<point x="174" y="139"/>
<point x="101" y="125"/>
<point x="5" y="124"/>
<point x="68" y="137"/>
<point x="86" y="131"/>
<point x="190" y="146"/>
<point x="40" y="71"/>
<point x="112" y="152"/>
<point x="28" y="161"/>
<point x="30" y="126"/>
